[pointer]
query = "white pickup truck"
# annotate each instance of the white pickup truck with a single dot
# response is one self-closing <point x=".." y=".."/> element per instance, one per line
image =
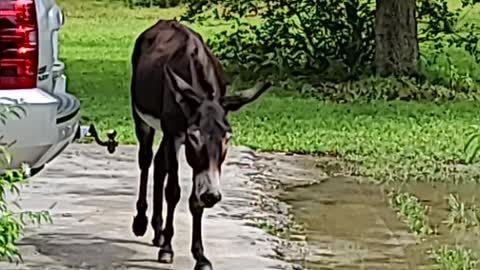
<point x="31" y="73"/>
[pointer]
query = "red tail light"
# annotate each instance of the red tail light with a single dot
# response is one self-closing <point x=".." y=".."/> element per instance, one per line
<point x="18" y="44"/>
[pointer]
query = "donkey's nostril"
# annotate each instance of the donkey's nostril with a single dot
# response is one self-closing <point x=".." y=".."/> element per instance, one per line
<point x="211" y="198"/>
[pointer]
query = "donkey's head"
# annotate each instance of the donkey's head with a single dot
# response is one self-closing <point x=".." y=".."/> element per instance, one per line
<point x="208" y="132"/>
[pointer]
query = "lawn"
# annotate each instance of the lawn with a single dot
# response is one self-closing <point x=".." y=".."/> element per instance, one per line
<point x="388" y="141"/>
<point x="394" y="140"/>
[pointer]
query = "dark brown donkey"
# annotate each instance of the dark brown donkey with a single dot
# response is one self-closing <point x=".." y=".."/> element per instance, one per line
<point x="178" y="87"/>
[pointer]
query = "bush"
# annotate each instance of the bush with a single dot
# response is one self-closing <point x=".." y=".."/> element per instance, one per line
<point x="299" y="37"/>
<point x="385" y="89"/>
<point x="324" y="38"/>
<point x="153" y="3"/>
<point x="12" y="223"/>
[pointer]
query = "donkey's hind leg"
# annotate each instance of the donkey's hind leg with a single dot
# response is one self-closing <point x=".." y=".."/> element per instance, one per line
<point x="159" y="173"/>
<point x="145" y="136"/>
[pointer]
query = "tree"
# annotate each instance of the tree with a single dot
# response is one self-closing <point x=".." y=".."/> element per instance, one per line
<point x="396" y="43"/>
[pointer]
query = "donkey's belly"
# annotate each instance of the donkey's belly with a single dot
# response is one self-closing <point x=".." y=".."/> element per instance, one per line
<point x="150" y="120"/>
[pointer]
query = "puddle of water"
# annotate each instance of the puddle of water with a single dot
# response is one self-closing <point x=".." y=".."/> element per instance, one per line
<point x="351" y="226"/>
<point x="435" y="196"/>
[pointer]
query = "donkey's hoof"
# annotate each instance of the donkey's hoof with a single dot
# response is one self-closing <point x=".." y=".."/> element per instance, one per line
<point x="165" y="256"/>
<point x="158" y="240"/>
<point x="203" y="266"/>
<point x="139" y="226"/>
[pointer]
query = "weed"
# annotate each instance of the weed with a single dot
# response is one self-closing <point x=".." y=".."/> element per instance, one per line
<point x="462" y="215"/>
<point x="414" y="214"/>
<point x="473" y="143"/>
<point x="455" y="258"/>
<point x="268" y="227"/>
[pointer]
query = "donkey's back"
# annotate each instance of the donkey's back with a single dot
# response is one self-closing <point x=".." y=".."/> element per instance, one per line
<point x="173" y="44"/>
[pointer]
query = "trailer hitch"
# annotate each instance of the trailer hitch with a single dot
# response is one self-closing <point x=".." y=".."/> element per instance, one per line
<point x="91" y="131"/>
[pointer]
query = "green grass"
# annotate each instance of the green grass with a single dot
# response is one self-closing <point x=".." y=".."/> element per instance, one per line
<point x="388" y="141"/>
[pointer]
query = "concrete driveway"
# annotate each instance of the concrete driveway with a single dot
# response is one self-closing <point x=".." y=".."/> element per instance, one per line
<point x="94" y="197"/>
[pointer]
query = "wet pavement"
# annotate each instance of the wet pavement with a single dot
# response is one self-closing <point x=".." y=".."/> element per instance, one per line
<point x="348" y="224"/>
<point x="351" y="226"/>
<point x="94" y="195"/>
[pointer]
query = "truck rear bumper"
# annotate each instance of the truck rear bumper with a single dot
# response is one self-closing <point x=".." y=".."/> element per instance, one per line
<point x="48" y="126"/>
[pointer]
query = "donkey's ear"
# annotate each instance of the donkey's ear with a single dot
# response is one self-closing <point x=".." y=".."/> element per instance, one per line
<point x="183" y="92"/>
<point x="233" y="103"/>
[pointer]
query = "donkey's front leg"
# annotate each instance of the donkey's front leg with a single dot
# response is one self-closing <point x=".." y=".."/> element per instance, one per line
<point x="172" y="196"/>
<point x="202" y="263"/>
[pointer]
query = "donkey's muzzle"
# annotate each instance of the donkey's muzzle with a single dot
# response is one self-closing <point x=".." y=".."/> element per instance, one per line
<point x="211" y="198"/>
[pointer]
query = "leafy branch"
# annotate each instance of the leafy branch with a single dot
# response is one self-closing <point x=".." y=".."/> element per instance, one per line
<point x="12" y="224"/>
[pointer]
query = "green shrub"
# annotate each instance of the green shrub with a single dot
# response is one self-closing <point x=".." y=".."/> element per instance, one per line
<point x="12" y="223"/>
<point x="386" y="89"/>
<point x="153" y="3"/>
<point x="308" y="37"/>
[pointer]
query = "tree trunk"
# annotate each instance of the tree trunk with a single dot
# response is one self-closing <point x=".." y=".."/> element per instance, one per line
<point x="396" y="43"/>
